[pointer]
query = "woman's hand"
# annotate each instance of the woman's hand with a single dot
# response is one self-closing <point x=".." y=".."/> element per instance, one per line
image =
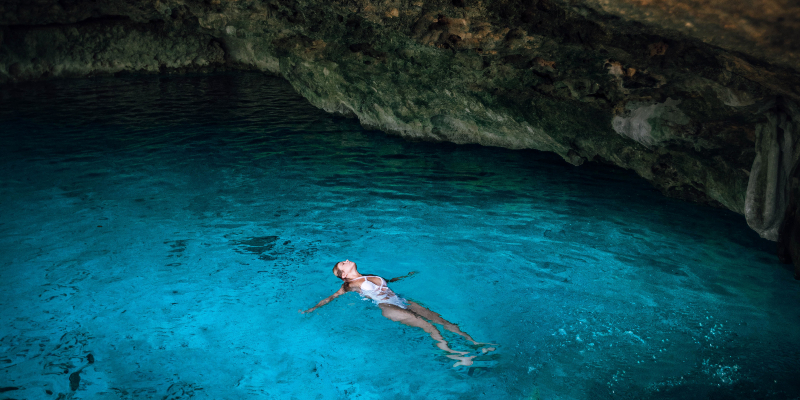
<point x="338" y="293"/>
<point x="401" y="277"/>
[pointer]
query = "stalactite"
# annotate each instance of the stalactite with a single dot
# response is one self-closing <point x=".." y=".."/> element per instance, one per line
<point x="777" y="155"/>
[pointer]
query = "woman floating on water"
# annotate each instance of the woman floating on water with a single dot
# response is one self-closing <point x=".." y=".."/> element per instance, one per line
<point x="399" y="309"/>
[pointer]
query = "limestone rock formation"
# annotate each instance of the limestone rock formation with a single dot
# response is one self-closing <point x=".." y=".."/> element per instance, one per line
<point x="774" y="171"/>
<point x="699" y="97"/>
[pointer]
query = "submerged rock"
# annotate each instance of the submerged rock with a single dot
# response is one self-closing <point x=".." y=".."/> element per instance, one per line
<point x="698" y="99"/>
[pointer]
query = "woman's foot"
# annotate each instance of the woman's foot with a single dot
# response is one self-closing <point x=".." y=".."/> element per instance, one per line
<point x="466" y="359"/>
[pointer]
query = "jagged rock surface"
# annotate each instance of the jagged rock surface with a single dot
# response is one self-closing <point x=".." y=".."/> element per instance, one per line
<point x="697" y="97"/>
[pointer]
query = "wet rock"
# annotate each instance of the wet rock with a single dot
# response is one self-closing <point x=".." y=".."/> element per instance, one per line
<point x="574" y="158"/>
<point x="650" y="124"/>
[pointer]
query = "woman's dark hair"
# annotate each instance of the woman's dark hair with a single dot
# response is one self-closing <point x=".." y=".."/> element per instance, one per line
<point x="336" y="270"/>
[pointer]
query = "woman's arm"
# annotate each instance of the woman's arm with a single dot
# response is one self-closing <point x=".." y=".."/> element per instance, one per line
<point x="338" y="293"/>
<point x="401" y="277"/>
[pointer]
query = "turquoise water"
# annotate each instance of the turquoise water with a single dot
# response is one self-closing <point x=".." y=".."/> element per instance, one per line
<point x="173" y="227"/>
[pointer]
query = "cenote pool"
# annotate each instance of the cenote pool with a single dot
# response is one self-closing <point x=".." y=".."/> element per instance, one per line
<point x="172" y="228"/>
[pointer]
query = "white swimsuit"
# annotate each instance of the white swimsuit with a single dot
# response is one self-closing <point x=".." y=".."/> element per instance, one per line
<point x="380" y="294"/>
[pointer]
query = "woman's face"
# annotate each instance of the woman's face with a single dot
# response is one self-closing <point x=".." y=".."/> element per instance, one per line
<point x="346" y="268"/>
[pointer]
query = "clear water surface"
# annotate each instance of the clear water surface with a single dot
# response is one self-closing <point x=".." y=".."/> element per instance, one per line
<point x="172" y="228"/>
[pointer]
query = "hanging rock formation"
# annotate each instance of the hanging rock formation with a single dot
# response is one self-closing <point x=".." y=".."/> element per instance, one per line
<point x="697" y="97"/>
<point x="773" y="175"/>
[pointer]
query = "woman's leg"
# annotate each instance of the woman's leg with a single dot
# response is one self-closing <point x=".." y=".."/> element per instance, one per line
<point x="406" y="317"/>
<point x="436" y="318"/>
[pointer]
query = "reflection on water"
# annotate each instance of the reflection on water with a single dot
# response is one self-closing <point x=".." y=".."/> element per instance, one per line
<point x="173" y="227"/>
